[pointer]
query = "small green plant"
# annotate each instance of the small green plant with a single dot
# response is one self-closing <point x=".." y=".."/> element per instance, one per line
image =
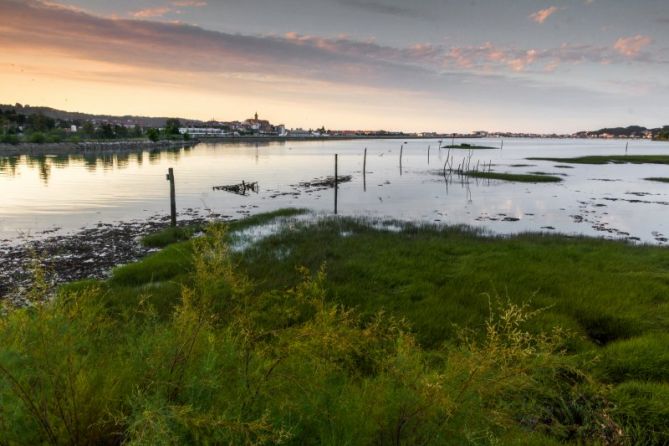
<point x="168" y="236"/>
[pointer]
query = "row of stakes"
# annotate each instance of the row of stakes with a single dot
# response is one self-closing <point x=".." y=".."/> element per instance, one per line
<point x="461" y="169"/>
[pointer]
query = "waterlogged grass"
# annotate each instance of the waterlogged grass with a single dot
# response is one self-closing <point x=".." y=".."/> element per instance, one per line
<point x="610" y="159"/>
<point x="515" y="177"/>
<point x="337" y="331"/>
<point x="658" y="179"/>
<point x="470" y="147"/>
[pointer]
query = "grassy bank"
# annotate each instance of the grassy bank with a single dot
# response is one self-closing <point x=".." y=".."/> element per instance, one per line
<point x="610" y="159"/>
<point x="516" y="177"/>
<point x="339" y="332"/>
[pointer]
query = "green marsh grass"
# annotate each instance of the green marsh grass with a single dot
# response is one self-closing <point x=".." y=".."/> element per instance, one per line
<point x="352" y="335"/>
<point x="658" y="179"/>
<point x="610" y="159"/>
<point x="515" y="177"/>
<point x="470" y="147"/>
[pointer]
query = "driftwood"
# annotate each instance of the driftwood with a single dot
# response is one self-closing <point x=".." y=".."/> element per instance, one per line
<point x="241" y="188"/>
<point x="326" y="182"/>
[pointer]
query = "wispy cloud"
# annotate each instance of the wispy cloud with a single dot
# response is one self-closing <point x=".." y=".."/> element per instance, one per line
<point x="632" y="46"/>
<point x="151" y="12"/>
<point x="380" y="8"/>
<point x="542" y="15"/>
<point x="173" y="7"/>
<point x="190" y="3"/>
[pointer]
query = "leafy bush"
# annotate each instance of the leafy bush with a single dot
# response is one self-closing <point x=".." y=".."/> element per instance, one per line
<point x="153" y="134"/>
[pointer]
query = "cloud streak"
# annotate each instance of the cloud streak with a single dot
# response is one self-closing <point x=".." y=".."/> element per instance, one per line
<point x="542" y="15"/>
<point x="161" y="11"/>
<point x="632" y="46"/>
<point x="380" y="8"/>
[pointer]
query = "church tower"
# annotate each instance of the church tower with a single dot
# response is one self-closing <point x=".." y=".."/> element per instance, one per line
<point x="256" y="116"/>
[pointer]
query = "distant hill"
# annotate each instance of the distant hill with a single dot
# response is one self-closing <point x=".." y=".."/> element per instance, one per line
<point x="143" y="121"/>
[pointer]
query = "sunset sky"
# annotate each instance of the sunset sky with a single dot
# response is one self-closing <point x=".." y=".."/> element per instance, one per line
<point x="443" y="65"/>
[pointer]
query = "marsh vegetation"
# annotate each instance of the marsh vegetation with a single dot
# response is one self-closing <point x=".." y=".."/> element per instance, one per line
<point x="346" y="331"/>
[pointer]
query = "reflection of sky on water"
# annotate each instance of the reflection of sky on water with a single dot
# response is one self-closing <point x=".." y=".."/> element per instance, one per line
<point x="40" y="193"/>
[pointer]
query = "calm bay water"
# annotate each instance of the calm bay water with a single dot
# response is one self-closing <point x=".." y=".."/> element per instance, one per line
<point x="63" y="194"/>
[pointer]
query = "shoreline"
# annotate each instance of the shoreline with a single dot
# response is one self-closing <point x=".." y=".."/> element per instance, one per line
<point x="89" y="253"/>
<point x="89" y="147"/>
<point x="125" y="146"/>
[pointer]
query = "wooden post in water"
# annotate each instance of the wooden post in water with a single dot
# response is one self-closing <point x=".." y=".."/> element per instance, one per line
<point x="502" y="146"/>
<point x="428" y="155"/>
<point x="173" y="203"/>
<point x="364" y="171"/>
<point x="627" y="146"/>
<point x="336" y="183"/>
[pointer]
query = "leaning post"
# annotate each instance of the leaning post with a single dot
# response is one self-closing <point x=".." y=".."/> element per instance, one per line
<point x="173" y="203"/>
<point x="336" y="184"/>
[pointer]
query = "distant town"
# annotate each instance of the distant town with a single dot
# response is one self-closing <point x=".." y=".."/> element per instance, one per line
<point x="23" y="123"/>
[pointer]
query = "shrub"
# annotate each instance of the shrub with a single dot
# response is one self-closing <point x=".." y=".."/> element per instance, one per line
<point x="37" y="138"/>
<point x="10" y="139"/>
<point x="153" y="134"/>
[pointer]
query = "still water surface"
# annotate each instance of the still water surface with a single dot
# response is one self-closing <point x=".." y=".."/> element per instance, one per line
<point x="63" y="194"/>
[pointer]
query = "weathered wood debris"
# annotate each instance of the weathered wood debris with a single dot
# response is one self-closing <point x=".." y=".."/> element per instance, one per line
<point x="241" y="188"/>
<point x="326" y="182"/>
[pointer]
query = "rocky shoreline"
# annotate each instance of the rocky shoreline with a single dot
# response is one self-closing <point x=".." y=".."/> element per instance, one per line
<point x="89" y="147"/>
<point x="90" y="253"/>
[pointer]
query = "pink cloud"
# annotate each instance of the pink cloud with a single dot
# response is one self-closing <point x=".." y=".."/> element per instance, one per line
<point x="151" y="12"/>
<point x="632" y="46"/>
<point x="190" y="3"/>
<point x="543" y="15"/>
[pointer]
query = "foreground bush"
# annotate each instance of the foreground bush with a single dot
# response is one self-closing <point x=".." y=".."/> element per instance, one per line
<point x="230" y="365"/>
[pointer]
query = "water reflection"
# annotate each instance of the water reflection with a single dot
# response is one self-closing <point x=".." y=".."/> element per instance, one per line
<point x="86" y="188"/>
<point x="107" y="161"/>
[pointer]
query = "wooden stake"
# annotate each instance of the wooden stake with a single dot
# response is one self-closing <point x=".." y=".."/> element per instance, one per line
<point x="173" y="203"/>
<point x="336" y="182"/>
<point x="364" y="171"/>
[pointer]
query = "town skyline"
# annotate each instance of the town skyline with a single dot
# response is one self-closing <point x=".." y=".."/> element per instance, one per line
<point x="543" y="67"/>
<point x="254" y="126"/>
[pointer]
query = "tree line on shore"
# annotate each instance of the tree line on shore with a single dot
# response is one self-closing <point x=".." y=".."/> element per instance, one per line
<point x="38" y="128"/>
